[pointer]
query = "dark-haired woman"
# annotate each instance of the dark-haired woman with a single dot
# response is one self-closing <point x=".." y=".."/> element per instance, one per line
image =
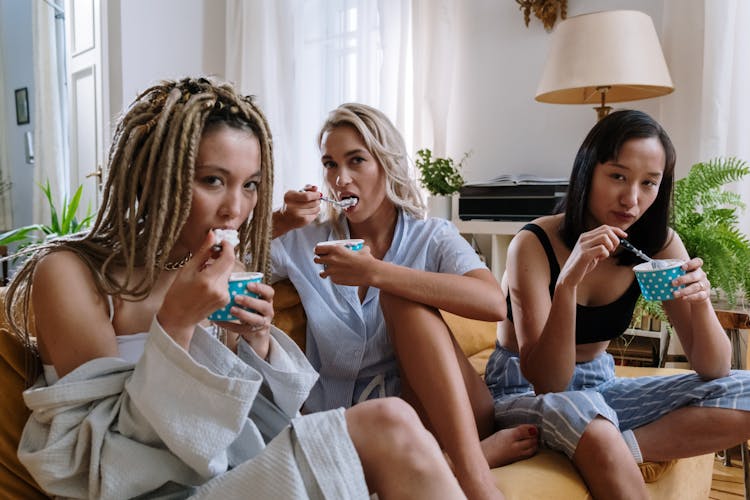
<point x="571" y="290"/>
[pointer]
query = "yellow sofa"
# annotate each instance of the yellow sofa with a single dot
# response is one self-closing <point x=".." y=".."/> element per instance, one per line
<point x="548" y="475"/>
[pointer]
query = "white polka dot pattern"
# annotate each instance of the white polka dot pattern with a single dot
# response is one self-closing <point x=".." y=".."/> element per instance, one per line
<point x="237" y="286"/>
<point x="655" y="283"/>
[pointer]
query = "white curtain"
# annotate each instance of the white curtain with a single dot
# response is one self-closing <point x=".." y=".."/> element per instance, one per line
<point x="290" y="54"/>
<point x="6" y="207"/>
<point x="434" y="63"/>
<point x="725" y="103"/>
<point x="51" y="144"/>
<point x="263" y="39"/>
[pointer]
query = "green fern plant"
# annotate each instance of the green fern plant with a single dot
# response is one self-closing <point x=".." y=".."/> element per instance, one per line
<point x="439" y="176"/>
<point x="707" y="218"/>
<point x="62" y="222"/>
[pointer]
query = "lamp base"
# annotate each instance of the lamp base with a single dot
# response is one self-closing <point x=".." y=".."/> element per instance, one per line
<point x="602" y="111"/>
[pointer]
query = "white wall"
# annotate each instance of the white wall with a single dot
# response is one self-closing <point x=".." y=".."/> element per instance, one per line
<point x="16" y="45"/>
<point x="498" y="65"/>
<point x="500" y="61"/>
<point x="152" y="40"/>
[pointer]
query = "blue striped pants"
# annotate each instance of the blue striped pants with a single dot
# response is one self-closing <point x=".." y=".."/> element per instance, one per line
<point x="594" y="391"/>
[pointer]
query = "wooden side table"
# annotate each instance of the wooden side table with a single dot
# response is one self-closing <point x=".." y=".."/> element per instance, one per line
<point x="733" y="320"/>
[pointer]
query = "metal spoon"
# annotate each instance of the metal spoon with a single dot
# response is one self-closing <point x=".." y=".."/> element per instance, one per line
<point x="346" y="203"/>
<point x="342" y="204"/>
<point x="655" y="264"/>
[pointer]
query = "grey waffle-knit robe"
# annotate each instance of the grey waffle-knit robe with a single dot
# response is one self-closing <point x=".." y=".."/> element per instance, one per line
<point x="181" y="423"/>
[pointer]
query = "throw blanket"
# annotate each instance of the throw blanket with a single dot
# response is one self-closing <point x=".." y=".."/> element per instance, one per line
<point x="177" y="420"/>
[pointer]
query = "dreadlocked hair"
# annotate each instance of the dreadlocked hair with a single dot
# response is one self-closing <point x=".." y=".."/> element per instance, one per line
<point x="148" y="193"/>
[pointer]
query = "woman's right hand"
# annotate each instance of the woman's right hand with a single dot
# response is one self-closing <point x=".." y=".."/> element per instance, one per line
<point x="200" y="288"/>
<point x="591" y="247"/>
<point x="300" y="208"/>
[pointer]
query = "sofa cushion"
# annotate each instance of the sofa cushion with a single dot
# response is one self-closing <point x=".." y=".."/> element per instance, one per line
<point x="15" y="481"/>
<point x="550" y="475"/>
<point x="289" y="315"/>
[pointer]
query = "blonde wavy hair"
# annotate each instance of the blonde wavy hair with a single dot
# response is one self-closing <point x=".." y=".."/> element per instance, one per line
<point x="148" y="193"/>
<point x="384" y="142"/>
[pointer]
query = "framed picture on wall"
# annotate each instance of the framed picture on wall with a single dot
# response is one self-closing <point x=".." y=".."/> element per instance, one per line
<point x="22" y="106"/>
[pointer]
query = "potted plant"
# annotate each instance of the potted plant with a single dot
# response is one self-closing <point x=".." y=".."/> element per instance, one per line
<point x="707" y="219"/>
<point x="441" y="177"/>
<point x="63" y="222"/>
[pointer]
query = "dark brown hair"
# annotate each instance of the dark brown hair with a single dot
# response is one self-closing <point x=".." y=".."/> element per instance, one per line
<point x="601" y="145"/>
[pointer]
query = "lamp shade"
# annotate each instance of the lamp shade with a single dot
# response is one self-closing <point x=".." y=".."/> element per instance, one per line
<point x="617" y="50"/>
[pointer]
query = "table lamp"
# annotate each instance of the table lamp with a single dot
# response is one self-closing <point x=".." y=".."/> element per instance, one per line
<point x="602" y="57"/>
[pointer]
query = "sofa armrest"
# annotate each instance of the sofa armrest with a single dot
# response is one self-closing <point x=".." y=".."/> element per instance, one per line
<point x="15" y="481"/>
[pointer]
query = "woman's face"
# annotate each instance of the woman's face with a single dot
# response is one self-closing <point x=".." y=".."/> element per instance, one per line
<point x="352" y="172"/>
<point x="225" y="186"/>
<point x="623" y="188"/>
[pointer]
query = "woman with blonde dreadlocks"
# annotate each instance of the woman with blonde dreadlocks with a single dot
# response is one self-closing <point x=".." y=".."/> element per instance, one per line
<point x="136" y="397"/>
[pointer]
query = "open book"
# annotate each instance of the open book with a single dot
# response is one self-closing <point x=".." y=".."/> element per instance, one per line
<point x="519" y="179"/>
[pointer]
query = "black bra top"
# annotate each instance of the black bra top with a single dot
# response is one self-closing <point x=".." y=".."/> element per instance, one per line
<point x="593" y="323"/>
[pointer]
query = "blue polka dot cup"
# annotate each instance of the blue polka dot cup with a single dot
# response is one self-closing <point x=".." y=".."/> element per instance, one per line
<point x="237" y="286"/>
<point x="656" y="280"/>
<point x="354" y="244"/>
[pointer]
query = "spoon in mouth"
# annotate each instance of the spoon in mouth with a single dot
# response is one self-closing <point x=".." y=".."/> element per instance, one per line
<point x="345" y="203"/>
<point x="342" y="204"/>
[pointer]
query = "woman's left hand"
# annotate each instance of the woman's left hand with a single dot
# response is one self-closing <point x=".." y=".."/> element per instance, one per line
<point x="697" y="287"/>
<point x="344" y="266"/>
<point x="254" y="327"/>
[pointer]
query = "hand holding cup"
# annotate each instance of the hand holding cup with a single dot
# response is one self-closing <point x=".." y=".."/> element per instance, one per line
<point x="344" y="261"/>
<point x="249" y="311"/>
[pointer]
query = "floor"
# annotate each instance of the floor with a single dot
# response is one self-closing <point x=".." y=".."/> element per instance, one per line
<point x="727" y="481"/>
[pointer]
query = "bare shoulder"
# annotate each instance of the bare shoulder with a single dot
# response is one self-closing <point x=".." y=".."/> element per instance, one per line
<point x="60" y="264"/>
<point x="70" y="314"/>
<point x="526" y="240"/>
<point x="62" y="271"/>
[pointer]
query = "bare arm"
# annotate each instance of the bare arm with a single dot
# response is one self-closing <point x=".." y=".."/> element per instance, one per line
<point x="545" y="328"/>
<point x="197" y="291"/>
<point x="475" y="295"/>
<point x="71" y="317"/>
<point x="692" y="315"/>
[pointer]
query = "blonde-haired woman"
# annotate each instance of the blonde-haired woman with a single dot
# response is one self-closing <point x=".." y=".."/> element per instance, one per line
<point x="136" y="396"/>
<point x="373" y="326"/>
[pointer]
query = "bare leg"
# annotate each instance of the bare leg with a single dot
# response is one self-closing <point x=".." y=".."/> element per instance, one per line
<point x="451" y="398"/>
<point x="606" y="464"/>
<point x="692" y="431"/>
<point x="401" y="459"/>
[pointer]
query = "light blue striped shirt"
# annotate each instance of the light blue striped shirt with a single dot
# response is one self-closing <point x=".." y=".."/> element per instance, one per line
<point x="347" y="342"/>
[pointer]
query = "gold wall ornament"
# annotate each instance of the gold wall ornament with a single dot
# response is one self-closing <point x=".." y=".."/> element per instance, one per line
<point x="545" y="10"/>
